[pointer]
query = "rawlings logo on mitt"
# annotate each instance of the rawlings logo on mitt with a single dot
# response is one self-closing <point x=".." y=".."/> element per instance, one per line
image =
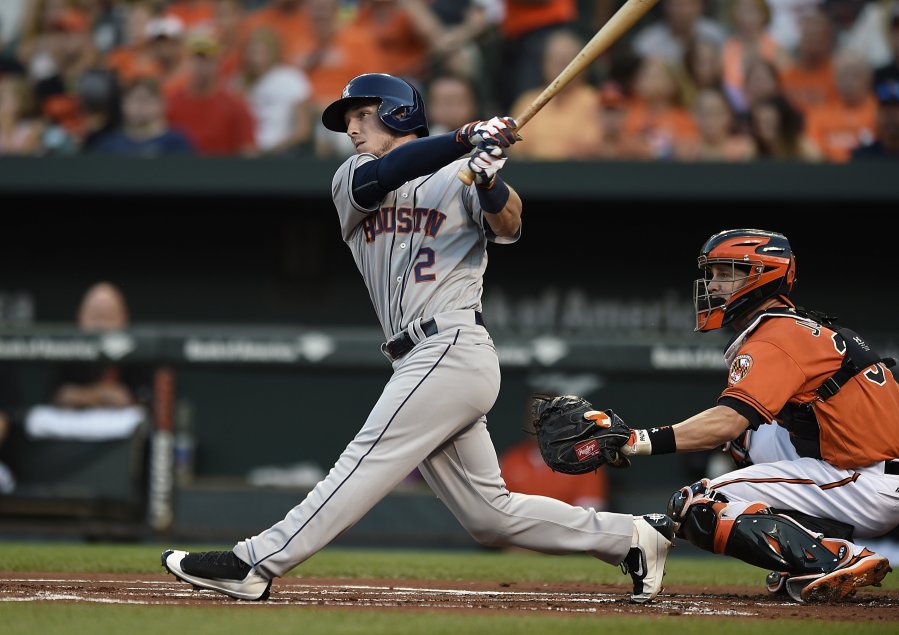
<point x="574" y="438"/>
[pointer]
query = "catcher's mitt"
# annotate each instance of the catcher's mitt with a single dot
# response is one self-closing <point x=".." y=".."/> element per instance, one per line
<point x="574" y="438"/>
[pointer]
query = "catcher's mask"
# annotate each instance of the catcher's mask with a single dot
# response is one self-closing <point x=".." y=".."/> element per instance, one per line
<point x="753" y="266"/>
<point x="401" y="106"/>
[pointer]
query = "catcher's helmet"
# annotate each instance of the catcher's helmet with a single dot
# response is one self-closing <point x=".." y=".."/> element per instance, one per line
<point x="761" y="260"/>
<point x="401" y="109"/>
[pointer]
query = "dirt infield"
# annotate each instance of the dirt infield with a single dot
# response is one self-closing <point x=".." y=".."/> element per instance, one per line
<point x="869" y="605"/>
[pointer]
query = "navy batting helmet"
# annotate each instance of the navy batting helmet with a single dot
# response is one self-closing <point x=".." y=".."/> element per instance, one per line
<point x="401" y="109"/>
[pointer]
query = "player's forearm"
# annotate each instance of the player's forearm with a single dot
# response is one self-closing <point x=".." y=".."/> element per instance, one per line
<point x="507" y="221"/>
<point x="703" y="431"/>
<point x="709" y="429"/>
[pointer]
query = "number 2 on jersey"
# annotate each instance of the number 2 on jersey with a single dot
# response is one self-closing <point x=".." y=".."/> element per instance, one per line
<point x="425" y="260"/>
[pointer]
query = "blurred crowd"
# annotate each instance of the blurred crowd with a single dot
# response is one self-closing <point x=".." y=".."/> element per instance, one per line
<point x="694" y="80"/>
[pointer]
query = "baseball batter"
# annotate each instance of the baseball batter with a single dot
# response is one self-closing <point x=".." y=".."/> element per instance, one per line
<point x="419" y="237"/>
<point x="810" y="413"/>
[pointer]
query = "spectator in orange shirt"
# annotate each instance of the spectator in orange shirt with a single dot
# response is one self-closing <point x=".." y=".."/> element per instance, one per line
<point x="809" y="80"/>
<point x="158" y="52"/>
<point x="217" y="121"/>
<point x="335" y="52"/>
<point x="719" y="138"/>
<point x="840" y="127"/>
<point x="404" y="31"/>
<point x="657" y="121"/>
<point x="226" y="23"/>
<point x="750" y="39"/>
<point x="290" y="19"/>
<point x="131" y="56"/>
<point x="569" y="126"/>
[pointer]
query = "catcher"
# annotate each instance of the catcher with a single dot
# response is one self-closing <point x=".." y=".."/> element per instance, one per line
<point x="810" y="415"/>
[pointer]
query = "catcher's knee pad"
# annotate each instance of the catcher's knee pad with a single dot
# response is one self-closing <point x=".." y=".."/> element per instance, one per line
<point x="702" y="515"/>
<point x="777" y="542"/>
<point x="695" y="509"/>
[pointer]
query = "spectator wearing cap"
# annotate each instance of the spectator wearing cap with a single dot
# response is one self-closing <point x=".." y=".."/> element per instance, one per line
<point x="217" y="121"/>
<point x="886" y="142"/>
<point x="154" y="48"/>
<point x="144" y="131"/>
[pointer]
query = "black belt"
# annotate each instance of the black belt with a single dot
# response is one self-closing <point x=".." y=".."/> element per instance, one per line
<point x="402" y="343"/>
<point x="891" y="467"/>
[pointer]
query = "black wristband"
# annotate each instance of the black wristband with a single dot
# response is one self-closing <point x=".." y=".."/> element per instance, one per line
<point x="662" y="440"/>
<point x="493" y="198"/>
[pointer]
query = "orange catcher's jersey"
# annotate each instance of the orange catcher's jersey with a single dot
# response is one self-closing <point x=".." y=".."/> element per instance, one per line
<point x="784" y="360"/>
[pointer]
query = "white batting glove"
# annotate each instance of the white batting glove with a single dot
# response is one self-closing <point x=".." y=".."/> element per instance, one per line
<point x="498" y="131"/>
<point x="485" y="162"/>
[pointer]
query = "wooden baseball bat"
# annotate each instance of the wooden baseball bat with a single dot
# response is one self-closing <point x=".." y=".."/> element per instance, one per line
<point x="622" y="20"/>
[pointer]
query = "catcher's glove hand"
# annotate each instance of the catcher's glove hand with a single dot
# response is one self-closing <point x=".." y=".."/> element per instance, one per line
<point x="574" y="438"/>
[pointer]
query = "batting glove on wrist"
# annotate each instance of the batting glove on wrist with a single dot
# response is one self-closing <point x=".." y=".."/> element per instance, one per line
<point x="485" y="162"/>
<point x="498" y="131"/>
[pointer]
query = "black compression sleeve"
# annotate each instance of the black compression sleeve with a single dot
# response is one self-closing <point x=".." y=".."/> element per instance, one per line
<point x="755" y="417"/>
<point x="373" y="180"/>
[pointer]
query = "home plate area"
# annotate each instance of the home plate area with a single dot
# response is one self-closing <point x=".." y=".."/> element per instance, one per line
<point x="869" y="605"/>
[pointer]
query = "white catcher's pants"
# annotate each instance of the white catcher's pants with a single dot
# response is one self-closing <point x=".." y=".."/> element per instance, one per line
<point x="864" y="497"/>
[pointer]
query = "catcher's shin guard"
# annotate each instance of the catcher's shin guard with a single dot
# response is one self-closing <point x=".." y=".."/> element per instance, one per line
<point x="774" y="541"/>
<point x="752" y="533"/>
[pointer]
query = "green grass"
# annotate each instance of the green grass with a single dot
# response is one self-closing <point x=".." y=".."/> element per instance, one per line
<point x="30" y="618"/>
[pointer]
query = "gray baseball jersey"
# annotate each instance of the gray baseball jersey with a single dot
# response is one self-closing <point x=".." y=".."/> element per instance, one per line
<point x="422" y="250"/>
<point x="422" y="254"/>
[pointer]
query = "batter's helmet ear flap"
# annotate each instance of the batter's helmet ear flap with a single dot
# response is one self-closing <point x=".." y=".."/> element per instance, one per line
<point x="401" y="106"/>
<point x="771" y="267"/>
